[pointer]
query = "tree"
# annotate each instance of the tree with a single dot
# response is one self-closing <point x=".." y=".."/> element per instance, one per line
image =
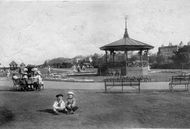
<point x="97" y="60"/>
<point x="182" y="56"/>
<point x="45" y="64"/>
<point x="153" y="58"/>
<point x="160" y="59"/>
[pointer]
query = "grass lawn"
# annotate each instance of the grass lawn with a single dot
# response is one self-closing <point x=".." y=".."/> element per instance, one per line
<point x="32" y="110"/>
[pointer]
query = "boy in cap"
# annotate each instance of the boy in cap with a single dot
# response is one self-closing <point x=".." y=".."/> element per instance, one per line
<point x="59" y="104"/>
<point x="71" y="103"/>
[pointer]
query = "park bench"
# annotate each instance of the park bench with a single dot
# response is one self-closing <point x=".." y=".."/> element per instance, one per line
<point x="179" y="80"/>
<point x="122" y="81"/>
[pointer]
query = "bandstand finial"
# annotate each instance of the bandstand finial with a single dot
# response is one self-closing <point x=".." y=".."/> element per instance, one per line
<point x="126" y="35"/>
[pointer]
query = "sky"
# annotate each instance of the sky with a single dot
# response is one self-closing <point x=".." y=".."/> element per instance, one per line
<point x="34" y="31"/>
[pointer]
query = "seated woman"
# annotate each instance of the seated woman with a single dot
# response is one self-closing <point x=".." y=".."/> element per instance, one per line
<point x="16" y="81"/>
<point x="24" y="82"/>
<point x="38" y="83"/>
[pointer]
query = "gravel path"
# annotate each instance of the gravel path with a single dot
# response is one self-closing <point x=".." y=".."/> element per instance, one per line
<point x="87" y="85"/>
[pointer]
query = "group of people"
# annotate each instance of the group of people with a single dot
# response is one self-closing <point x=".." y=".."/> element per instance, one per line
<point x="78" y="68"/>
<point x="68" y="106"/>
<point x="29" y="79"/>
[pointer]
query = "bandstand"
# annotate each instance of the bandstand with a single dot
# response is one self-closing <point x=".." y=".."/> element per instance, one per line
<point x="126" y="45"/>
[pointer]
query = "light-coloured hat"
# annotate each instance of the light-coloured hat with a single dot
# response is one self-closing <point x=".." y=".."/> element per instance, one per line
<point x="70" y="93"/>
<point x="25" y="76"/>
<point x="34" y="69"/>
<point x="25" y="69"/>
<point x="38" y="72"/>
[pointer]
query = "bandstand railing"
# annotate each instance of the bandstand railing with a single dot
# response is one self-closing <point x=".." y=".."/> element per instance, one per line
<point x="129" y="64"/>
<point x="137" y="64"/>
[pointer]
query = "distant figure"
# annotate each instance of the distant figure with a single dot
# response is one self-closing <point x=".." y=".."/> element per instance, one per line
<point x="49" y="70"/>
<point x="83" y="67"/>
<point x="78" y="68"/>
<point x="75" y="68"/>
<point x="59" y="104"/>
<point x="71" y="103"/>
<point x="8" y="73"/>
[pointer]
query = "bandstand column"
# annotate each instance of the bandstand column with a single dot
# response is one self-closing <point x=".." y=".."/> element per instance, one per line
<point x="147" y="54"/>
<point x="113" y="57"/>
<point x="110" y="57"/>
<point x="140" y="54"/>
<point x="106" y="57"/>
<point x="141" y="60"/>
<point x="126" y="60"/>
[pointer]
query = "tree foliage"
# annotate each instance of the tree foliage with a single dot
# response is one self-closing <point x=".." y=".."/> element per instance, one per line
<point x="182" y="56"/>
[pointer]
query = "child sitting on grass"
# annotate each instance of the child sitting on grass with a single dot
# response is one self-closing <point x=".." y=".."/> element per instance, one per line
<point x="71" y="103"/>
<point x="59" y="104"/>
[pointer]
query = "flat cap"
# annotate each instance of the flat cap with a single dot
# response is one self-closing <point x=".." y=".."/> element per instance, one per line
<point x="59" y="95"/>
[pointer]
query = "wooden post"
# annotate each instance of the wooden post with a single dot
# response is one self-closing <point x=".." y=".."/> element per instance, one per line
<point x="105" y="86"/>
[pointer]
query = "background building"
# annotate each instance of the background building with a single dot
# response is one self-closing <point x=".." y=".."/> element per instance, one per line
<point x="166" y="52"/>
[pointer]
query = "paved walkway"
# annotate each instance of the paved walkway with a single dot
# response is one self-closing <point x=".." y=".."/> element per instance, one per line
<point x="85" y="85"/>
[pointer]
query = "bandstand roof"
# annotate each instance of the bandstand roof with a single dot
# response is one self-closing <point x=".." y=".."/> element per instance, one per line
<point x="126" y="43"/>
